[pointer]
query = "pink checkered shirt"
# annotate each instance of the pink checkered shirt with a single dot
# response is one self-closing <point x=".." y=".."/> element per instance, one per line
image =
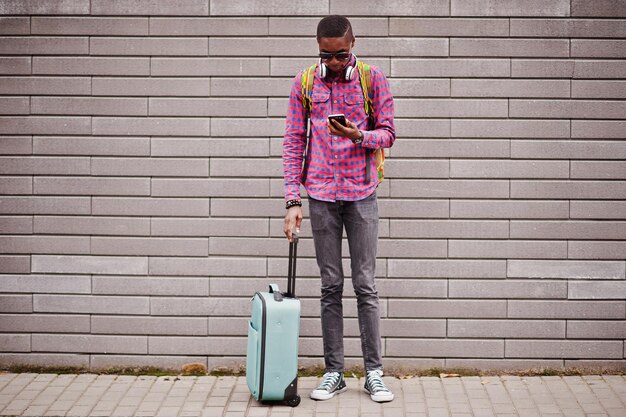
<point x="336" y="169"/>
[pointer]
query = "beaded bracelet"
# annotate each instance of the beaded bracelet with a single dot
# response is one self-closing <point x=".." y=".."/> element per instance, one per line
<point x="292" y="203"/>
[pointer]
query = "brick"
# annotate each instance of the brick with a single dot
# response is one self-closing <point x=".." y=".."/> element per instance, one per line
<point x="10" y="45"/>
<point x="16" y="145"/>
<point x="568" y="189"/>
<point x="450" y="188"/>
<point x="29" y="125"/>
<point x="251" y="87"/>
<point x="77" y="225"/>
<point x="14" y="264"/>
<point x="195" y="326"/>
<point x="485" y="168"/>
<point x="44" y="165"/>
<point x="595" y="329"/>
<point x="214" y="187"/>
<point x="503" y="209"/>
<point x="196" y="345"/>
<point x="45" y="323"/>
<point x="592" y="48"/>
<point x="446" y="269"/>
<point x="599" y="69"/>
<point x="213" y="266"/>
<point x="596" y="250"/>
<point x="246" y="167"/>
<point x="568" y="230"/>
<point x="510" y="8"/>
<point x="306" y="26"/>
<point x="15" y="65"/>
<point x="448" y="229"/>
<point x="44" y="244"/>
<point x="407" y="26"/>
<point x="510" y="128"/>
<point x="91" y="186"/>
<point x="42" y="359"/>
<point x="208" y="106"/>
<point x="598" y="170"/>
<point x="89" y="304"/>
<point x="46" y="284"/>
<point x="90" y="343"/>
<point x="510" y="88"/>
<point x="16" y="303"/>
<point x="507" y="47"/>
<point x="427" y="87"/>
<point x="15" y="342"/>
<point x="596" y="290"/>
<point x="152" y="86"/>
<point x="91" y="145"/>
<point x="510" y="329"/>
<point x="574" y="149"/>
<point x="45" y="205"/>
<point x="565" y="269"/>
<point x="45" y="85"/>
<point x="566" y="309"/>
<point x="600" y="8"/>
<point x="149" y="246"/>
<point x="90" y="264"/>
<point x="598" y="89"/>
<point x="247" y="127"/>
<point x="274" y="7"/>
<point x="149" y="46"/>
<point x="373" y="8"/>
<point x="423" y="128"/>
<point x="15" y="105"/>
<point x="450" y="108"/>
<point x="563" y="349"/>
<point x="16" y="225"/>
<point x="450" y="67"/>
<point x="449" y="148"/>
<point x="255" y="246"/>
<point x="153" y="167"/>
<point x="289" y="67"/>
<point x="597" y="209"/>
<point x="598" y="129"/>
<point x="238" y="46"/>
<point x="433" y="168"/>
<point x="210" y="66"/>
<point x="208" y="26"/>
<point x="102" y="106"/>
<point x="413" y="208"/>
<point x="14" y="25"/>
<point x="150" y="286"/>
<point x="445" y="348"/>
<point x="44" y="7"/>
<point x="16" y="185"/>
<point x="150" y="206"/>
<point x="199" y="306"/>
<point x="263" y="207"/>
<point x="567" y="28"/>
<point x="404" y="47"/>
<point x="543" y="68"/>
<point x="158" y="126"/>
<point x="105" y="26"/>
<point x="210" y="147"/>
<point x="508" y="289"/>
<point x="567" y="108"/>
<point x="507" y="249"/>
<point x="91" y="66"/>
<point x="209" y="227"/>
<point x="151" y="7"/>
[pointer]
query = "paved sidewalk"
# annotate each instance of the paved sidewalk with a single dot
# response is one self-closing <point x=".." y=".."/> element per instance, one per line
<point x="505" y="396"/>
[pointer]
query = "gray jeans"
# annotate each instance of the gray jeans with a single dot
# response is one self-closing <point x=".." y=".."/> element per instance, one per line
<point x="360" y="219"/>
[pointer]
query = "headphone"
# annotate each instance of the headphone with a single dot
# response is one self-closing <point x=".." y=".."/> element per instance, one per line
<point x="348" y="73"/>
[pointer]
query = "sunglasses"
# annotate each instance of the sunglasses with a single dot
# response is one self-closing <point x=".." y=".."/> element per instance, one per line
<point x="341" y="56"/>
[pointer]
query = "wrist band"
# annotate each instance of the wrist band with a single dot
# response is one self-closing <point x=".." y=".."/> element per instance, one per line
<point x="292" y="203"/>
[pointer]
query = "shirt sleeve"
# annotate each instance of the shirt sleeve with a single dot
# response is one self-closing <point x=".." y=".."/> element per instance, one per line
<point x="384" y="133"/>
<point x="294" y="142"/>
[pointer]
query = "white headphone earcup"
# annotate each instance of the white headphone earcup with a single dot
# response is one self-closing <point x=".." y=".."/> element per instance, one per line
<point x="323" y="70"/>
<point x="349" y="73"/>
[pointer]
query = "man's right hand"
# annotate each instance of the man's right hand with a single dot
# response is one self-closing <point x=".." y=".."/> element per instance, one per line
<point x="292" y="218"/>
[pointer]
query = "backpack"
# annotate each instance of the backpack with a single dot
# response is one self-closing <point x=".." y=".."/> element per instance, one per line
<point x="306" y="87"/>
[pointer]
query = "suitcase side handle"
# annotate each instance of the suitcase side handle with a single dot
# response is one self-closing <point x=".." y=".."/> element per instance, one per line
<point x="291" y="273"/>
<point x="278" y="296"/>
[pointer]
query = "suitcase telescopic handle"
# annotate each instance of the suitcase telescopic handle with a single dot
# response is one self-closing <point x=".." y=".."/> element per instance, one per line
<point x="291" y="273"/>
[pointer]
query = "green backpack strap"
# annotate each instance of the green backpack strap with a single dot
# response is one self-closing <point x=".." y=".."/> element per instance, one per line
<point x="306" y="89"/>
<point x="366" y="88"/>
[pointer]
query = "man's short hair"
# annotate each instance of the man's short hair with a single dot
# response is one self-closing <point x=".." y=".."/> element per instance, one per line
<point x="334" y="26"/>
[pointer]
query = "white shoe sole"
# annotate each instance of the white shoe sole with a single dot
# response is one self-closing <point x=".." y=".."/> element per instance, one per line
<point x="381" y="398"/>
<point x="320" y="396"/>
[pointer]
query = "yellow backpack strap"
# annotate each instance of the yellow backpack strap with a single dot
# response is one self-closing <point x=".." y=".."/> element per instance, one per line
<point x="306" y="87"/>
<point x="366" y="84"/>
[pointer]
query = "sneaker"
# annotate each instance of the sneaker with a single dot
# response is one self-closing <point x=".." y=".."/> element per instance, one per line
<point x="376" y="387"/>
<point x="331" y="385"/>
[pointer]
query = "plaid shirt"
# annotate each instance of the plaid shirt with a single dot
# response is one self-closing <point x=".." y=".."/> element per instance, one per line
<point x="336" y="166"/>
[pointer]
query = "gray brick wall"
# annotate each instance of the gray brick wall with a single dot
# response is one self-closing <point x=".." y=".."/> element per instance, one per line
<point x="141" y="190"/>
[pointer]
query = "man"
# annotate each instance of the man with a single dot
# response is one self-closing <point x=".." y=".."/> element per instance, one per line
<point x="340" y="194"/>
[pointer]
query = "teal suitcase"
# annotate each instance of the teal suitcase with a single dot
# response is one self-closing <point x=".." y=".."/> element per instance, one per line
<point x="273" y="331"/>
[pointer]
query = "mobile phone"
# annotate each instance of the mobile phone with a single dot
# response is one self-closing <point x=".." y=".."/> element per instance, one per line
<point x="339" y="118"/>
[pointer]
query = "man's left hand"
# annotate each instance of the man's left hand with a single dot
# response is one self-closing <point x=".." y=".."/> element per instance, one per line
<point x="351" y="131"/>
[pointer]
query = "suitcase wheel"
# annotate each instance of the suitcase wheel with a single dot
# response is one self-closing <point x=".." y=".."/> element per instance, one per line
<point x="293" y="402"/>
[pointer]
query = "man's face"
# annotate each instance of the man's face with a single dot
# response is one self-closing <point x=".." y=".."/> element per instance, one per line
<point x="334" y="46"/>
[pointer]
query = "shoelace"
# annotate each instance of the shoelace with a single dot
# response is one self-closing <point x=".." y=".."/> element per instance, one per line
<point x="375" y="382"/>
<point x="330" y="379"/>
